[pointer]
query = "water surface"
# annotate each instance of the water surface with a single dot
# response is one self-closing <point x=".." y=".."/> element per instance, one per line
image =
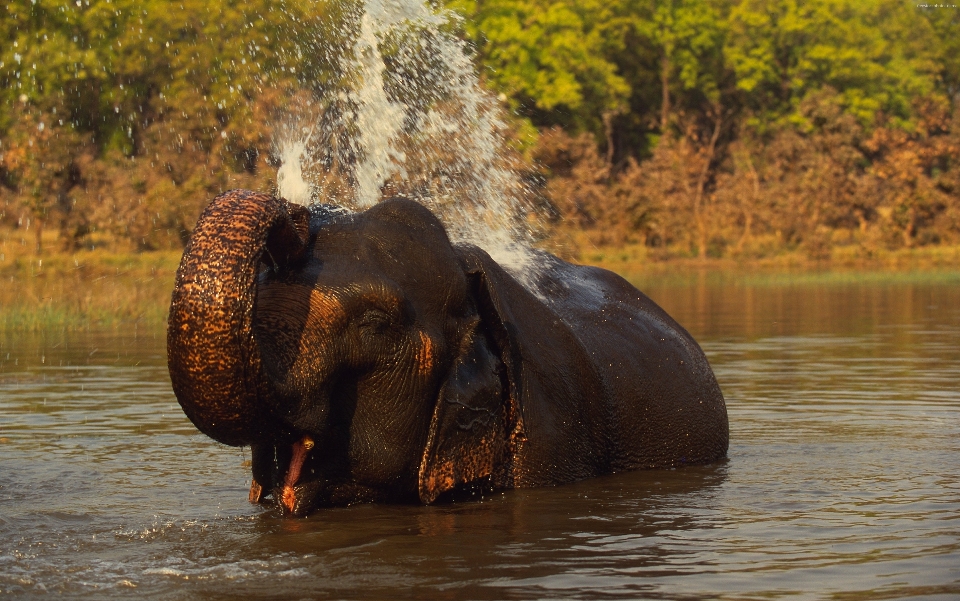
<point x="843" y="477"/>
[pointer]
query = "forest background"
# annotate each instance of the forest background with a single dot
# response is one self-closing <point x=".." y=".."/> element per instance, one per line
<point x="736" y="129"/>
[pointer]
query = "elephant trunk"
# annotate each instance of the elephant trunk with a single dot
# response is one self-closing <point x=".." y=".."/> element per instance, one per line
<point x="214" y="359"/>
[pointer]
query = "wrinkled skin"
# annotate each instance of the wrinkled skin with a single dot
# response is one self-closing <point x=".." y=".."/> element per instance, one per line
<point x="366" y="358"/>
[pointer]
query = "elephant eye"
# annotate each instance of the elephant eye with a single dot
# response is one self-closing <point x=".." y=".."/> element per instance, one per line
<point x="375" y="321"/>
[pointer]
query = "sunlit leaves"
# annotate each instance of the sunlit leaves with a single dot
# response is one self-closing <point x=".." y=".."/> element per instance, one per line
<point x="877" y="55"/>
<point x="689" y="33"/>
<point x="549" y="55"/>
<point x="163" y="102"/>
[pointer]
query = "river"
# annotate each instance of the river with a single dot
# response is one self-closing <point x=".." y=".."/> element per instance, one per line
<point x="842" y="481"/>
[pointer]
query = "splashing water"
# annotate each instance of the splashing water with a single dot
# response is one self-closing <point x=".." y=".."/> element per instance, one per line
<point x="415" y="122"/>
<point x="290" y="182"/>
<point x="378" y="119"/>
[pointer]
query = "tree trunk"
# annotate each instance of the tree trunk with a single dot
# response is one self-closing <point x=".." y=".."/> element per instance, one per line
<point x="749" y="206"/>
<point x="38" y="232"/>
<point x="608" y="117"/>
<point x="698" y="212"/>
<point x="665" y="83"/>
<point x="908" y="231"/>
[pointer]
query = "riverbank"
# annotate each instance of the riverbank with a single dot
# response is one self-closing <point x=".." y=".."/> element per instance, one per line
<point x="102" y="289"/>
<point x="86" y="289"/>
<point x="845" y="265"/>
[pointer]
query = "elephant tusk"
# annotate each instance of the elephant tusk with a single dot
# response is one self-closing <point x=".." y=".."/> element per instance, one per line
<point x="256" y="492"/>
<point x="300" y="451"/>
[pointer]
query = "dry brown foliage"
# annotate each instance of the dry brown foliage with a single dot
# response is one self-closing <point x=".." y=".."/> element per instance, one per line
<point x="815" y="187"/>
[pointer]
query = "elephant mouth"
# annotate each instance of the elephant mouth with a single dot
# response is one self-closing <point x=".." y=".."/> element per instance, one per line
<point x="298" y="500"/>
<point x="306" y="486"/>
<point x="306" y="497"/>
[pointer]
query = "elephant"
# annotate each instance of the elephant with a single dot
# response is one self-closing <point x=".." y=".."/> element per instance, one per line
<point x="364" y="357"/>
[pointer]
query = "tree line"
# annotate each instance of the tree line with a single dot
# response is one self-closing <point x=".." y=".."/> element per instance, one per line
<point x="697" y="128"/>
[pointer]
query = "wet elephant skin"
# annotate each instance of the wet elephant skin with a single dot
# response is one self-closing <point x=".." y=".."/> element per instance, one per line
<point x="366" y="358"/>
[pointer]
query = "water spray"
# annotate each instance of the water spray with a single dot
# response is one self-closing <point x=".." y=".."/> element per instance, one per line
<point x="431" y="133"/>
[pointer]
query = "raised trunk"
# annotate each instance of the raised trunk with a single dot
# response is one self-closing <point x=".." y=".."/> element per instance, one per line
<point x="213" y="357"/>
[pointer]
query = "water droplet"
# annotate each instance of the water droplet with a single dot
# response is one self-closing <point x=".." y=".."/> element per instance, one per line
<point x="425" y="125"/>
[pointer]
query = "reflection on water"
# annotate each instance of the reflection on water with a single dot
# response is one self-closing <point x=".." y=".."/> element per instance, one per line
<point x="843" y="477"/>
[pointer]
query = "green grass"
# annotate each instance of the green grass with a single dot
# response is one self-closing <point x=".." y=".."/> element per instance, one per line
<point x="86" y="290"/>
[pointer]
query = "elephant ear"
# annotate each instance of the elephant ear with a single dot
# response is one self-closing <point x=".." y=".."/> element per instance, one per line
<point x="476" y="429"/>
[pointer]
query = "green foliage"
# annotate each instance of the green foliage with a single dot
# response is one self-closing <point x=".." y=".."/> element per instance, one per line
<point x="122" y="117"/>
<point x="689" y="36"/>
<point x="878" y="56"/>
<point x="946" y="27"/>
<point x="160" y="95"/>
<point x="553" y="59"/>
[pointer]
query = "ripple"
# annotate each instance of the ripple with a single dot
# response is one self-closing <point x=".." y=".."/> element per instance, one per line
<point x="843" y="480"/>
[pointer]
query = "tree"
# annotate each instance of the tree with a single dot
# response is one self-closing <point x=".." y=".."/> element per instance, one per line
<point x="93" y="82"/>
<point x="877" y="55"/>
<point x="688" y="36"/>
<point x="551" y="58"/>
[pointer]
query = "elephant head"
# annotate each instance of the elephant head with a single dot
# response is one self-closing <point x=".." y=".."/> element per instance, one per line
<point x="364" y="357"/>
<point x="347" y="348"/>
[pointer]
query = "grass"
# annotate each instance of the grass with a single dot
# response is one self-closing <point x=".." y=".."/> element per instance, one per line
<point x="86" y="289"/>
<point x="920" y="265"/>
<point x="104" y="289"/>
